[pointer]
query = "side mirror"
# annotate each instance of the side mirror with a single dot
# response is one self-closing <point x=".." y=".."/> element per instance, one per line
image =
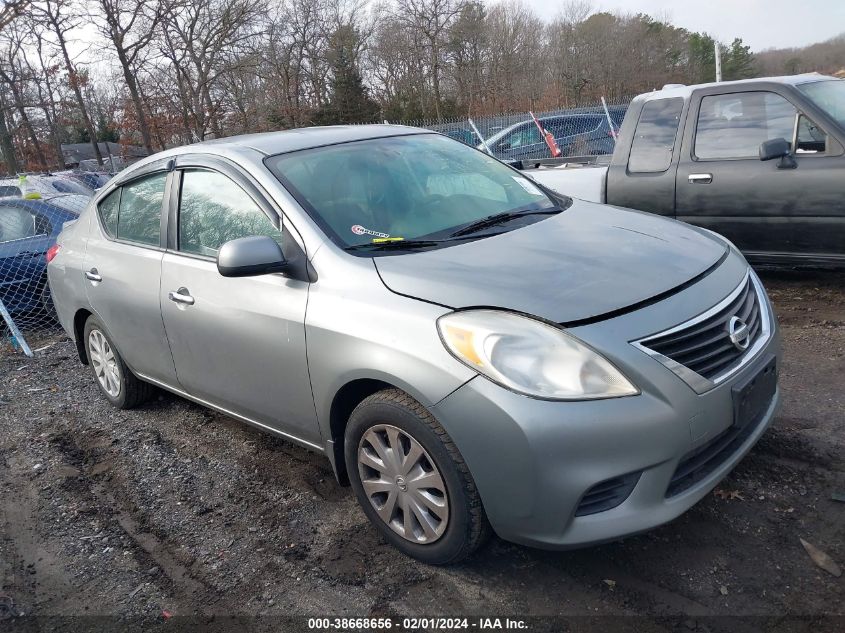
<point x="778" y="148"/>
<point x="251" y="256"/>
<point x="504" y="145"/>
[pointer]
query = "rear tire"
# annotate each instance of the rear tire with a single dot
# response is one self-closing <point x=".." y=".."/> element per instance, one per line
<point x="447" y="521"/>
<point x="116" y="381"/>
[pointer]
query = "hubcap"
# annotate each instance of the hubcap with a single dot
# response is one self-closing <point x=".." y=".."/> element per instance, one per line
<point x="104" y="363"/>
<point x="403" y="484"/>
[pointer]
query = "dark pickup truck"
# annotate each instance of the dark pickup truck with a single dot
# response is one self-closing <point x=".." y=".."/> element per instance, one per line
<point x="760" y="161"/>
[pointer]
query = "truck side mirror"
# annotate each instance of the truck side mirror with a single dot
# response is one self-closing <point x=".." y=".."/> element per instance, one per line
<point x="778" y="148"/>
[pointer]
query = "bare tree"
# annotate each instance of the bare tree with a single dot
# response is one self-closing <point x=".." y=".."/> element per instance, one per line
<point x="130" y="26"/>
<point x="431" y="18"/>
<point x="13" y="75"/>
<point x="59" y="17"/>
<point x="202" y="40"/>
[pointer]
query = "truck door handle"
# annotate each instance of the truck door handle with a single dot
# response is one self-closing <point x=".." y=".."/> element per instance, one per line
<point x="181" y="296"/>
<point x="700" y="179"/>
<point x="93" y="275"/>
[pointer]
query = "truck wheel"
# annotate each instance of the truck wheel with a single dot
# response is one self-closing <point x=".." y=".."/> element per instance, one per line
<point x="117" y="382"/>
<point x="411" y="481"/>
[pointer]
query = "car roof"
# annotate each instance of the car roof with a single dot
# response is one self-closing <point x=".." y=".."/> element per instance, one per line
<point x="686" y="91"/>
<point x="269" y="143"/>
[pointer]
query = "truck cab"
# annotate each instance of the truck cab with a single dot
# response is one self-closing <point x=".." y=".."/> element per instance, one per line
<point x="760" y="161"/>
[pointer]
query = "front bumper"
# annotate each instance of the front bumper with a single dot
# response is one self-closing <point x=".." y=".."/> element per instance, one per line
<point x="533" y="460"/>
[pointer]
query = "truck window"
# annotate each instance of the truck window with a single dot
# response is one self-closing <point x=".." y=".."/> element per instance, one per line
<point x="734" y="125"/>
<point x="654" y="138"/>
<point x="810" y="138"/>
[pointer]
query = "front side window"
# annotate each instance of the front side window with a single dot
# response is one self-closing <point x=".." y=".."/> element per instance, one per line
<point x="16" y="224"/>
<point x="420" y="186"/>
<point x="139" y="215"/>
<point x="654" y="138"/>
<point x="526" y="135"/>
<point x="213" y="210"/>
<point x="734" y="125"/>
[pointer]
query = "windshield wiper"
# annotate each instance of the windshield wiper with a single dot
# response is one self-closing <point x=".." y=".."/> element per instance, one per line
<point x="399" y="245"/>
<point x="403" y="244"/>
<point x="500" y="218"/>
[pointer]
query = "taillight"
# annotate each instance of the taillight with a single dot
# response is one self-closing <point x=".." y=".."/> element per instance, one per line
<point x="52" y="252"/>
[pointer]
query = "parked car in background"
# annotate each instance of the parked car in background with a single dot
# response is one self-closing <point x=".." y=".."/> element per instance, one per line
<point x="72" y="202"/>
<point x="91" y="179"/>
<point x="467" y="348"/>
<point x="28" y="228"/>
<point x="582" y="134"/>
<point x="761" y="161"/>
<point x="464" y="135"/>
<point x="44" y="185"/>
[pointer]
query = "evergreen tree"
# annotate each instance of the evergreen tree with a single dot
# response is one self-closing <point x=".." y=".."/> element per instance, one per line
<point x="738" y="61"/>
<point x="349" y="99"/>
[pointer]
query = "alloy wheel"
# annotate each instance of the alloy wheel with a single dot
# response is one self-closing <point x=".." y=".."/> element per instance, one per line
<point x="403" y="484"/>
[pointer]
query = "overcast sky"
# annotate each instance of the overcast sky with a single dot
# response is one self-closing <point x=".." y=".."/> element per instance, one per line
<point x="760" y="23"/>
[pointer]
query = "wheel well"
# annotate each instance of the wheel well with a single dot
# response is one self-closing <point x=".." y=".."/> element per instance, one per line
<point x="345" y="401"/>
<point x="79" y="320"/>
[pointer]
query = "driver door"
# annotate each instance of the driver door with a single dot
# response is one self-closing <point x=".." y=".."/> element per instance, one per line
<point x="237" y="343"/>
<point x="764" y="209"/>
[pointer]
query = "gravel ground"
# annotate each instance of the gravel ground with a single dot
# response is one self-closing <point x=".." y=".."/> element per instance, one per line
<point x="175" y="508"/>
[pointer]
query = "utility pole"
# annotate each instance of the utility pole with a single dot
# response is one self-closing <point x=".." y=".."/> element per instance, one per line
<point x="718" y="61"/>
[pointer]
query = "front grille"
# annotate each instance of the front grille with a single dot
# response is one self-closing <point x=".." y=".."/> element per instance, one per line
<point x="698" y="464"/>
<point x="705" y="346"/>
<point x="607" y="494"/>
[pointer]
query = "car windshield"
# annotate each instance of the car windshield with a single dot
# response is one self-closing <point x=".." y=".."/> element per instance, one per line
<point x="419" y="186"/>
<point x="829" y="96"/>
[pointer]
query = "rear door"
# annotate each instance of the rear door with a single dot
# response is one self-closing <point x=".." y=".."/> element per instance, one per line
<point x="237" y="343"/>
<point x="645" y="178"/>
<point x="763" y="207"/>
<point x="122" y="268"/>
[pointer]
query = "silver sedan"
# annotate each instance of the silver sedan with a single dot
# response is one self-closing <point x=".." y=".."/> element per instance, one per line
<point x="471" y="351"/>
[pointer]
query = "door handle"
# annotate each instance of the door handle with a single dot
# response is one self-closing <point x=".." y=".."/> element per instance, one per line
<point x="700" y="179"/>
<point x="93" y="275"/>
<point x="181" y="296"/>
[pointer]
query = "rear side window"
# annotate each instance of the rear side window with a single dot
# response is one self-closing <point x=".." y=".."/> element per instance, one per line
<point x="654" y="138"/>
<point x="734" y="125"/>
<point x="139" y="217"/>
<point x="213" y="210"/>
<point x="16" y="224"/>
<point x="108" y="212"/>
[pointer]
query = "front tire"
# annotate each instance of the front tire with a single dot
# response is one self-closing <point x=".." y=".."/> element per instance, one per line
<point x="116" y="381"/>
<point x="411" y="480"/>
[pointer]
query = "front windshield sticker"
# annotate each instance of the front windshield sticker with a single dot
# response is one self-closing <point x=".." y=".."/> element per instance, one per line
<point x="357" y="229"/>
<point x="528" y="186"/>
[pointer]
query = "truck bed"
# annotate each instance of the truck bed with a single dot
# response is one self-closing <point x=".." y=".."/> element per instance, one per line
<point x="577" y="180"/>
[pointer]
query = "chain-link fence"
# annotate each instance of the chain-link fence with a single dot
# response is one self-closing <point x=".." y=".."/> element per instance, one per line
<point x="588" y="130"/>
<point x="33" y="210"/>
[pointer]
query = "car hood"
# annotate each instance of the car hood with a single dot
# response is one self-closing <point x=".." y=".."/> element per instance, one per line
<point x="586" y="262"/>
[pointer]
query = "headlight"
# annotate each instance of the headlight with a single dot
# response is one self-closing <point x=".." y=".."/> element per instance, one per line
<point x="531" y="357"/>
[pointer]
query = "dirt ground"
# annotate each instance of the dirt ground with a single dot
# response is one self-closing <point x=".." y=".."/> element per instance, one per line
<point x="173" y="508"/>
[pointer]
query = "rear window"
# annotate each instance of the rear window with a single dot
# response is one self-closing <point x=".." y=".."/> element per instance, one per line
<point x="654" y="138"/>
<point x="16" y="224"/>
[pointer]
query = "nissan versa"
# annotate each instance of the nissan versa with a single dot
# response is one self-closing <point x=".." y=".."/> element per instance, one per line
<point x="470" y="350"/>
